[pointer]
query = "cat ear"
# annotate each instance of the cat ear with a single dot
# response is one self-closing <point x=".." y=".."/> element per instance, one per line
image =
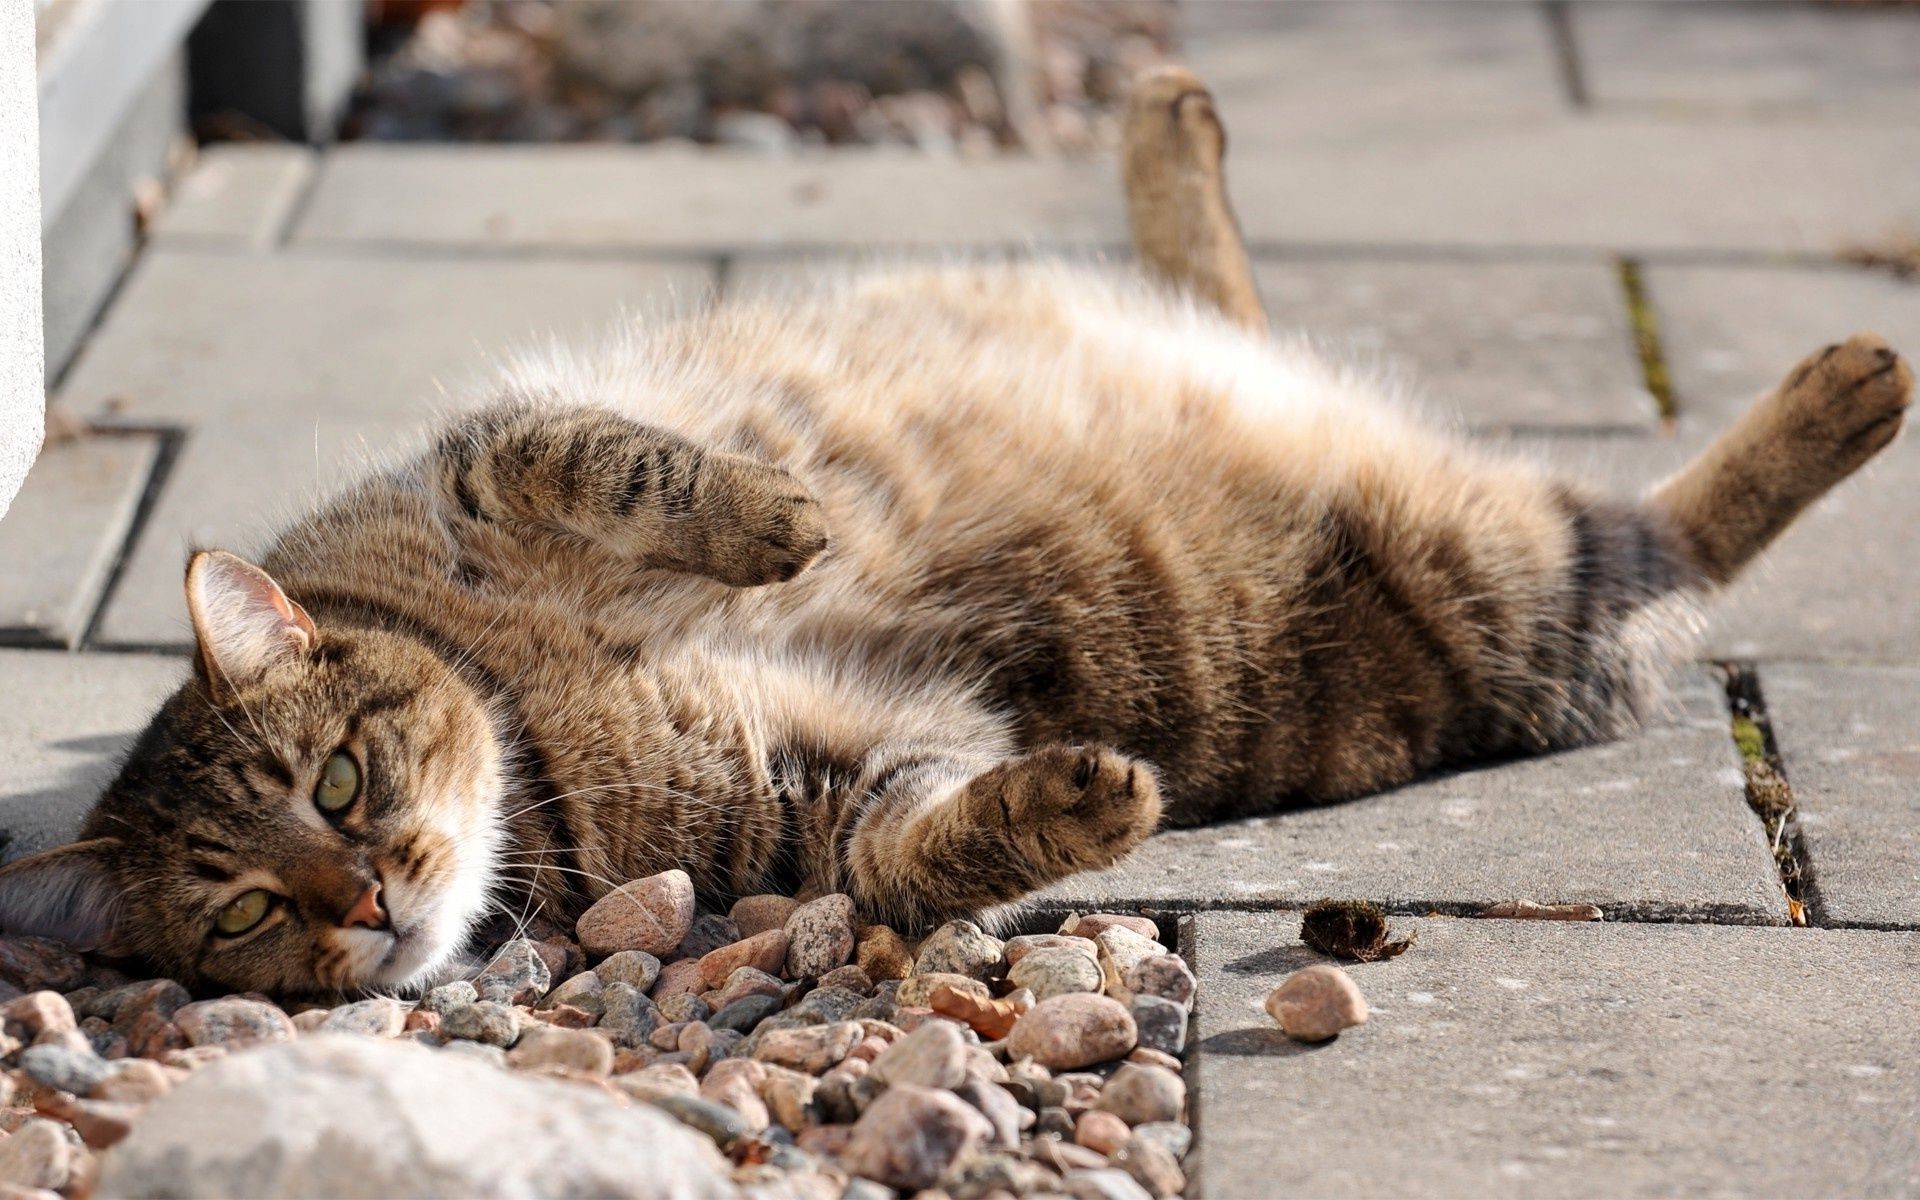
<point x="66" y="893"/>
<point x="242" y="620"/>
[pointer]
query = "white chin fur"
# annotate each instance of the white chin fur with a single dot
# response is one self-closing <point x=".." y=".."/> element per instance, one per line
<point x="437" y="923"/>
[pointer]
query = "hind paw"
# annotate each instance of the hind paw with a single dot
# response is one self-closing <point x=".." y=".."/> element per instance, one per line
<point x="1068" y="808"/>
<point x="1850" y="398"/>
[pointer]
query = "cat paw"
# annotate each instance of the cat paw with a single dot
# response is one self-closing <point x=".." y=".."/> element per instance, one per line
<point x="768" y="527"/>
<point x="1069" y="808"/>
<point x="1849" y="400"/>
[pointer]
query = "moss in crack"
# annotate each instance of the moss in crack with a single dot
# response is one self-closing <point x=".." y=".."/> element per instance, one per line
<point x="1646" y="341"/>
<point x="1768" y="792"/>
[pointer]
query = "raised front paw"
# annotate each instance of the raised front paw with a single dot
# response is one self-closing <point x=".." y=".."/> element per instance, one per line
<point x="1849" y="400"/>
<point x="1068" y="808"/>
<point x="763" y="525"/>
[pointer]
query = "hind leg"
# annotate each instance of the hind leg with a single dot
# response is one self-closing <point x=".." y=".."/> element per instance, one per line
<point x="1183" y="227"/>
<point x="1834" y="411"/>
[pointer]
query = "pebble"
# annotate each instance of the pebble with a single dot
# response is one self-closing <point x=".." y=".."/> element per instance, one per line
<point x="909" y="1137"/>
<point x="916" y="991"/>
<point x="1004" y="1114"/>
<point x="811" y="1048"/>
<point x="517" y="975"/>
<point x="64" y="1069"/>
<point x="766" y="951"/>
<point x="626" y="1014"/>
<point x="654" y="914"/>
<point x="1139" y="1095"/>
<point x="1121" y="949"/>
<point x="748" y="981"/>
<point x="1103" y="1183"/>
<point x="1316" y="1003"/>
<point x="1090" y="925"/>
<point x="789" y="1097"/>
<point x="1075" y="1030"/>
<point x="231" y="1022"/>
<point x="662" y="1079"/>
<point x="931" y="1056"/>
<point x="745" y="1013"/>
<point x="820" y="936"/>
<point x="708" y="933"/>
<point x="850" y="977"/>
<point x="959" y="948"/>
<point x="378" y="1017"/>
<point x="1019" y="947"/>
<point x="1161" y="1024"/>
<point x="991" y="1019"/>
<point x="449" y="996"/>
<point x="492" y="1056"/>
<point x="133" y="1080"/>
<point x="585" y="991"/>
<point x="39" y="1012"/>
<point x="571" y="1049"/>
<point x="882" y="953"/>
<point x="717" y="1121"/>
<point x="38" y="1154"/>
<point x="1100" y="1131"/>
<point x="1177" y="1138"/>
<point x="757" y="914"/>
<point x="487" y="1021"/>
<point x="100" y="1123"/>
<point x="1164" y="975"/>
<point x="635" y="968"/>
<point x="680" y="977"/>
<point x="1056" y="971"/>
<point x="1152" y="1166"/>
<point x="34" y="964"/>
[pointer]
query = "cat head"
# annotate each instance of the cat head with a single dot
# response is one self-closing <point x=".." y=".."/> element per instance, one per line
<point x="315" y="810"/>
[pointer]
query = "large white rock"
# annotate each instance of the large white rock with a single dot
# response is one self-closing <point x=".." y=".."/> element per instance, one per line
<point x="342" y="1116"/>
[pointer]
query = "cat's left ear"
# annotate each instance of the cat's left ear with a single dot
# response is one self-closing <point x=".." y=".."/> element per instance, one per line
<point x="243" y="622"/>
<point x="66" y="893"/>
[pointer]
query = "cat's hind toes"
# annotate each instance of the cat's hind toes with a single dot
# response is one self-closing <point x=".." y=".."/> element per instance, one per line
<point x="1073" y="808"/>
<point x="1850" y="398"/>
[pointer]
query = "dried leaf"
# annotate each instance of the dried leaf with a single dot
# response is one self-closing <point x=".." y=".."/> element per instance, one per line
<point x="1528" y="910"/>
<point x="1351" y="929"/>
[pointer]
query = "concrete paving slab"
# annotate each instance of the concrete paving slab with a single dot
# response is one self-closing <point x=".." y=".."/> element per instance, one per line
<point x="1656" y="826"/>
<point x="1370" y="68"/>
<point x="1839" y="585"/>
<point x="1537" y="1059"/>
<point x="1497" y="344"/>
<point x="67" y="720"/>
<point x="64" y="531"/>
<point x="1850" y="738"/>
<point x="240" y="195"/>
<point x="1756" y="60"/>
<point x="200" y="337"/>
<point x="516" y="197"/>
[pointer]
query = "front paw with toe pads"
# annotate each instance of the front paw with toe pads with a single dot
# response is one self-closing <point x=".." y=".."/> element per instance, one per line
<point x="1068" y="808"/>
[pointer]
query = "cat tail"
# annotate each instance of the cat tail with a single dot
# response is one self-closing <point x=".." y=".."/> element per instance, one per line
<point x="1183" y="227"/>
<point x="1835" y="410"/>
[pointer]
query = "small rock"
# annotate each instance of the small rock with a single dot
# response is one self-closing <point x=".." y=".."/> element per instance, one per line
<point x="379" y="1017"/>
<point x="492" y="1056"/>
<point x="34" y="964"/>
<point x="959" y="948"/>
<point x="1160" y="1024"/>
<point x="449" y="996"/>
<point x="1153" y="1058"/>
<point x="931" y="1056"/>
<point x="991" y="1019"/>
<point x="557" y="956"/>
<point x="1056" y="971"/>
<point x="811" y="1048"/>
<point x="748" y="981"/>
<point x="910" y="1136"/>
<point x="850" y="977"/>
<point x="882" y="953"/>
<point x="757" y="914"/>
<point x="663" y="1079"/>
<point x="735" y="1082"/>
<point x="626" y="1014"/>
<point x="1090" y="925"/>
<point x="583" y="991"/>
<point x="1103" y="1183"/>
<point x="488" y="1021"/>
<point x="745" y="1013"/>
<point x="765" y="951"/>
<point x="40" y="1012"/>
<point x="1317" y="1002"/>
<point x="998" y="1106"/>
<point x="1018" y="948"/>
<point x="38" y="1154"/>
<point x="685" y="1007"/>
<point x="709" y="932"/>
<point x="916" y="991"/>
<point x="1164" y="975"/>
<point x="1152" y="1166"/>
<point x="677" y="978"/>
<point x="126" y="1006"/>
<point x="635" y="968"/>
<point x="820" y="936"/>
<point x="1139" y="1095"/>
<point x="232" y="1022"/>
<point x="1121" y="949"/>
<point x="789" y="1097"/>
<point x="654" y="914"/>
<point x="517" y="975"/>
<point x="717" y="1121"/>
<point x="1100" y="1131"/>
<point x="1074" y="1030"/>
<point x="829" y="1004"/>
<point x="133" y="1081"/>
<point x="100" y="1123"/>
<point x="571" y="1049"/>
<point x="1172" y="1135"/>
<point x="64" y="1069"/>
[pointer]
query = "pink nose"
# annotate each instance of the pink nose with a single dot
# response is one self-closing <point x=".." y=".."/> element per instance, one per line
<point x="367" y="912"/>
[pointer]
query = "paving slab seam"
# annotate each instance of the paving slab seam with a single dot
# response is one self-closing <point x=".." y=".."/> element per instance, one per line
<point x="1566" y="53"/>
<point x="296" y="212"/>
<point x="1646" y="340"/>
<point x="1649" y="914"/>
<point x="1769" y="792"/>
<point x="172" y="440"/>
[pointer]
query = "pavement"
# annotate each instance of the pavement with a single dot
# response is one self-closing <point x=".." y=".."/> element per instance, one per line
<point x="1566" y="222"/>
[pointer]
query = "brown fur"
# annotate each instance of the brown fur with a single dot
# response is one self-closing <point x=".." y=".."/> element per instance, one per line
<point x="933" y="588"/>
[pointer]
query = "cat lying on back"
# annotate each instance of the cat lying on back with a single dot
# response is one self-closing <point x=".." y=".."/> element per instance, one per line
<point x="931" y="588"/>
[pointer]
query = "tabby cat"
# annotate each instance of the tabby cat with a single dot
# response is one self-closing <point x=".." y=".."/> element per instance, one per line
<point x="931" y="587"/>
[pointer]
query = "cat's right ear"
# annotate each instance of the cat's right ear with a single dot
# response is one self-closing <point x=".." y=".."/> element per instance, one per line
<point x="243" y="622"/>
<point x="66" y="893"/>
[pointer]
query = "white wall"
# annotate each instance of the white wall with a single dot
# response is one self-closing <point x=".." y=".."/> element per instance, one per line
<point x="22" y="358"/>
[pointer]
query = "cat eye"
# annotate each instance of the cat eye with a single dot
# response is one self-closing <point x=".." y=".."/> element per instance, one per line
<point x="339" y="784"/>
<point x="246" y="911"/>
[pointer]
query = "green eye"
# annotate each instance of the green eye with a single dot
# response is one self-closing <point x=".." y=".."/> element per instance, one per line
<point x="339" y="784"/>
<point x="244" y="913"/>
